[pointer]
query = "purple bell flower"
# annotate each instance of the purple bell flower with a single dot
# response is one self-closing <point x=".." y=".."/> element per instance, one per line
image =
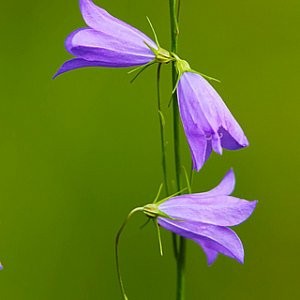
<point x="108" y="42"/>
<point x="205" y="217"/>
<point x="207" y="122"/>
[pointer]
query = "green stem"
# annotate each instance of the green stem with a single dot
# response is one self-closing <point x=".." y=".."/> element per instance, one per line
<point x="181" y="249"/>
<point x="162" y="133"/>
<point x="117" y="240"/>
<point x="176" y="119"/>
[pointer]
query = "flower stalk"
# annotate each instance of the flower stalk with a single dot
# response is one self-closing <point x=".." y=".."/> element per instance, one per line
<point x="180" y="249"/>
<point x="162" y="132"/>
<point x="117" y="240"/>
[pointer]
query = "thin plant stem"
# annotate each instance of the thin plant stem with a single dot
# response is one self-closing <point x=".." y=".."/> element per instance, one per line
<point x="162" y="133"/>
<point x="180" y="250"/>
<point x="163" y="149"/>
<point x="176" y="120"/>
<point x="117" y="240"/>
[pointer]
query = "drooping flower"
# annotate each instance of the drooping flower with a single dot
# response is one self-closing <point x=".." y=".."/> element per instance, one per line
<point x="205" y="217"/>
<point x="109" y="42"/>
<point x="207" y="122"/>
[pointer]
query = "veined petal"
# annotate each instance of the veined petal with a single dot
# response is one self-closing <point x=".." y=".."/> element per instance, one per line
<point x="232" y="135"/>
<point x="100" y="20"/>
<point x="77" y="63"/>
<point x="210" y="253"/>
<point x="198" y="102"/>
<point x="196" y="127"/>
<point x="92" y="45"/>
<point x="212" y="249"/>
<point x="216" y="144"/>
<point x="220" y="239"/>
<point x="217" y="210"/>
<point x="200" y="148"/>
<point x="225" y="187"/>
<point x="233" y="138"/>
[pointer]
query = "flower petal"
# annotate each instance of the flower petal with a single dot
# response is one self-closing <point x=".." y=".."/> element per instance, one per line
<point x="217" y="210"/>
<point x="225" y="187"/>
<point x="100" y="20"/>
<point x="198" y="100"/>
<point x="77" y="63"/>
<point x="229" y="142"/>
<point x="210" y="253"/>
<point x="200" y="149"/>
<point x="92" y="45"/>
<point x="212" y="249"/>
<point x="231" y="133"/>
<point x="220" y="239"/>
<point x="195" y="125"/>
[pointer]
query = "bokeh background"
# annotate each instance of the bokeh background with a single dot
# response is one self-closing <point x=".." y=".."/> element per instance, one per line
<point x="77" y="153"/>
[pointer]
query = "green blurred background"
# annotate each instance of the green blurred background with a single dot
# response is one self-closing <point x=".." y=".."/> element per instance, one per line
<point x="77" y="153"/>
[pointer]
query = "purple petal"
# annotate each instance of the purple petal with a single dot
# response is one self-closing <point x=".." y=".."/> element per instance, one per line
<point x="232" y="134"/>
<point x="220" y="239"/>
<point x="212" y="249"/>
<point x="100" y="20"/>
<point x="210" y="253"/>
<point x="194" y="123"/>
<point x="200" y="148"/>
<point x="92" y="45"/>
<point x="77" y="63"/>
<point x="197" y="104"/>
<point x="228" y="141"/>
<point x="225" y="187"/>
<point x="217" y="210"/>
<point x="216" y="144"/>
<point x="206" y="119"/>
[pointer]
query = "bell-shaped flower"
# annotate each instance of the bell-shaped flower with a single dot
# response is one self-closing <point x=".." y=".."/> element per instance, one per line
<point x="109" y="42"/>
<point x="207" y="122"/>
<point x="205" y="217"/>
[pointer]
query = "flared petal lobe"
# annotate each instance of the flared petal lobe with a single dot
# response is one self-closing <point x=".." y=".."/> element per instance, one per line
<point x="225" y="187"/>
<point x="219" y="210"/>
<point x="207" y="122"/>
<point x="100" y="20"/>
<point x="107" y="42"/>
<point x="219" y="239"/>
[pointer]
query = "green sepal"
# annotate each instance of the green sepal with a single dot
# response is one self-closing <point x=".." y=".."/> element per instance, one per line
<point x="139" y="70"/>
<point x="183" y="66"/>
<point x="171" y="196"/>
<point x="151" y="210"/>
<point x="159" y="237"/>
<point x="205" y="76"/>
<point x="161" y="55"/>
<point x="153" y="30"/>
